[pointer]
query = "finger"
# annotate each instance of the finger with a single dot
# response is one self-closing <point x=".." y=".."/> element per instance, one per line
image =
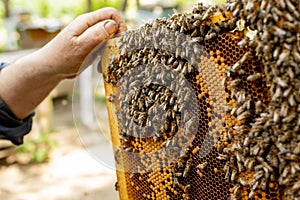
<point x="97" y="34"/>
<point x="83" y="22"/>
<point x="122" y="26"/>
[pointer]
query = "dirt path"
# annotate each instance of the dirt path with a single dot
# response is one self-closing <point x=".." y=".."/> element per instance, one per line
<point x="72" y="173"/>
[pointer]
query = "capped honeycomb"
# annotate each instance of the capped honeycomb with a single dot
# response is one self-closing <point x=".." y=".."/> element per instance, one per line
<point x="205" y="105"/>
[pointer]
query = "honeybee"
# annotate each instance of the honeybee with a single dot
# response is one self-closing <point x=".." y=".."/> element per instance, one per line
<point x="239" y="63"/>
<point x="202" y="166"/>
<point x="243" y="182"/>
<point x="187" y="168"/>
<point x="254" y="77"/>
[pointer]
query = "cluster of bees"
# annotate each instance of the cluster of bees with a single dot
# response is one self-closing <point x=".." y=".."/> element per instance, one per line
<point x="272" y="137"/>
<point x="208" y="103"/>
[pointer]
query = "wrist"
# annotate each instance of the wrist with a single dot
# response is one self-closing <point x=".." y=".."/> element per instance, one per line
<point x="57" y="63"/>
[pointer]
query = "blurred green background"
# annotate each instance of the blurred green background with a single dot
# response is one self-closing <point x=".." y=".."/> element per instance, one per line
<point x="32" y="23"/>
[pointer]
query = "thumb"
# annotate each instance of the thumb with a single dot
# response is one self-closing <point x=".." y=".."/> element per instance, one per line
<point x="98" y="33"/>
<point x="111" y="27"/>
<point x="104" y="31"/>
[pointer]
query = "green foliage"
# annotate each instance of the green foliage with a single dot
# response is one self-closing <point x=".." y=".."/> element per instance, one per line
<point x="59" y="8"/>
<point x="1" y="10"/>
<point x="96" y="4"/>
<point x="99" y="98"/>
<point x="50" y="8"/>
<point x="181" y="2"/>
<point x="44" y="8"/>
<point x="37" y="150"/>
<point x="219" y="1"/>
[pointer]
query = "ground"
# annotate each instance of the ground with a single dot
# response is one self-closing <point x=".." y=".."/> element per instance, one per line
<point x="71" y="173"/>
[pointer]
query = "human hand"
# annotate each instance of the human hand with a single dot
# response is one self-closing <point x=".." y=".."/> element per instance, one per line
<point x="65" y="54"/>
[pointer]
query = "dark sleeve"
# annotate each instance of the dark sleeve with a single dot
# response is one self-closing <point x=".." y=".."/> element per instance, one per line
<point x="2" y="65"/>
<point x="12" y="128"/>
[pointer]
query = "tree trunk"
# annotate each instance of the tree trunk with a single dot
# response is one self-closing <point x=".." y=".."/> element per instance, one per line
<point x="89" y="6"/>
<point x="10" y="26"/>
<point x="124" y="5"/>
<point x="6" y="8"/>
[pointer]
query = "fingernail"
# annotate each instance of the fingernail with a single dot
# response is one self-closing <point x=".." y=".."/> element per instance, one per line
<point x="110" y="27"/>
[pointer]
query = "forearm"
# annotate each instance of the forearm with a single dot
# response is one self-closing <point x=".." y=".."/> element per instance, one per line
<point x="25" y="83"/>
